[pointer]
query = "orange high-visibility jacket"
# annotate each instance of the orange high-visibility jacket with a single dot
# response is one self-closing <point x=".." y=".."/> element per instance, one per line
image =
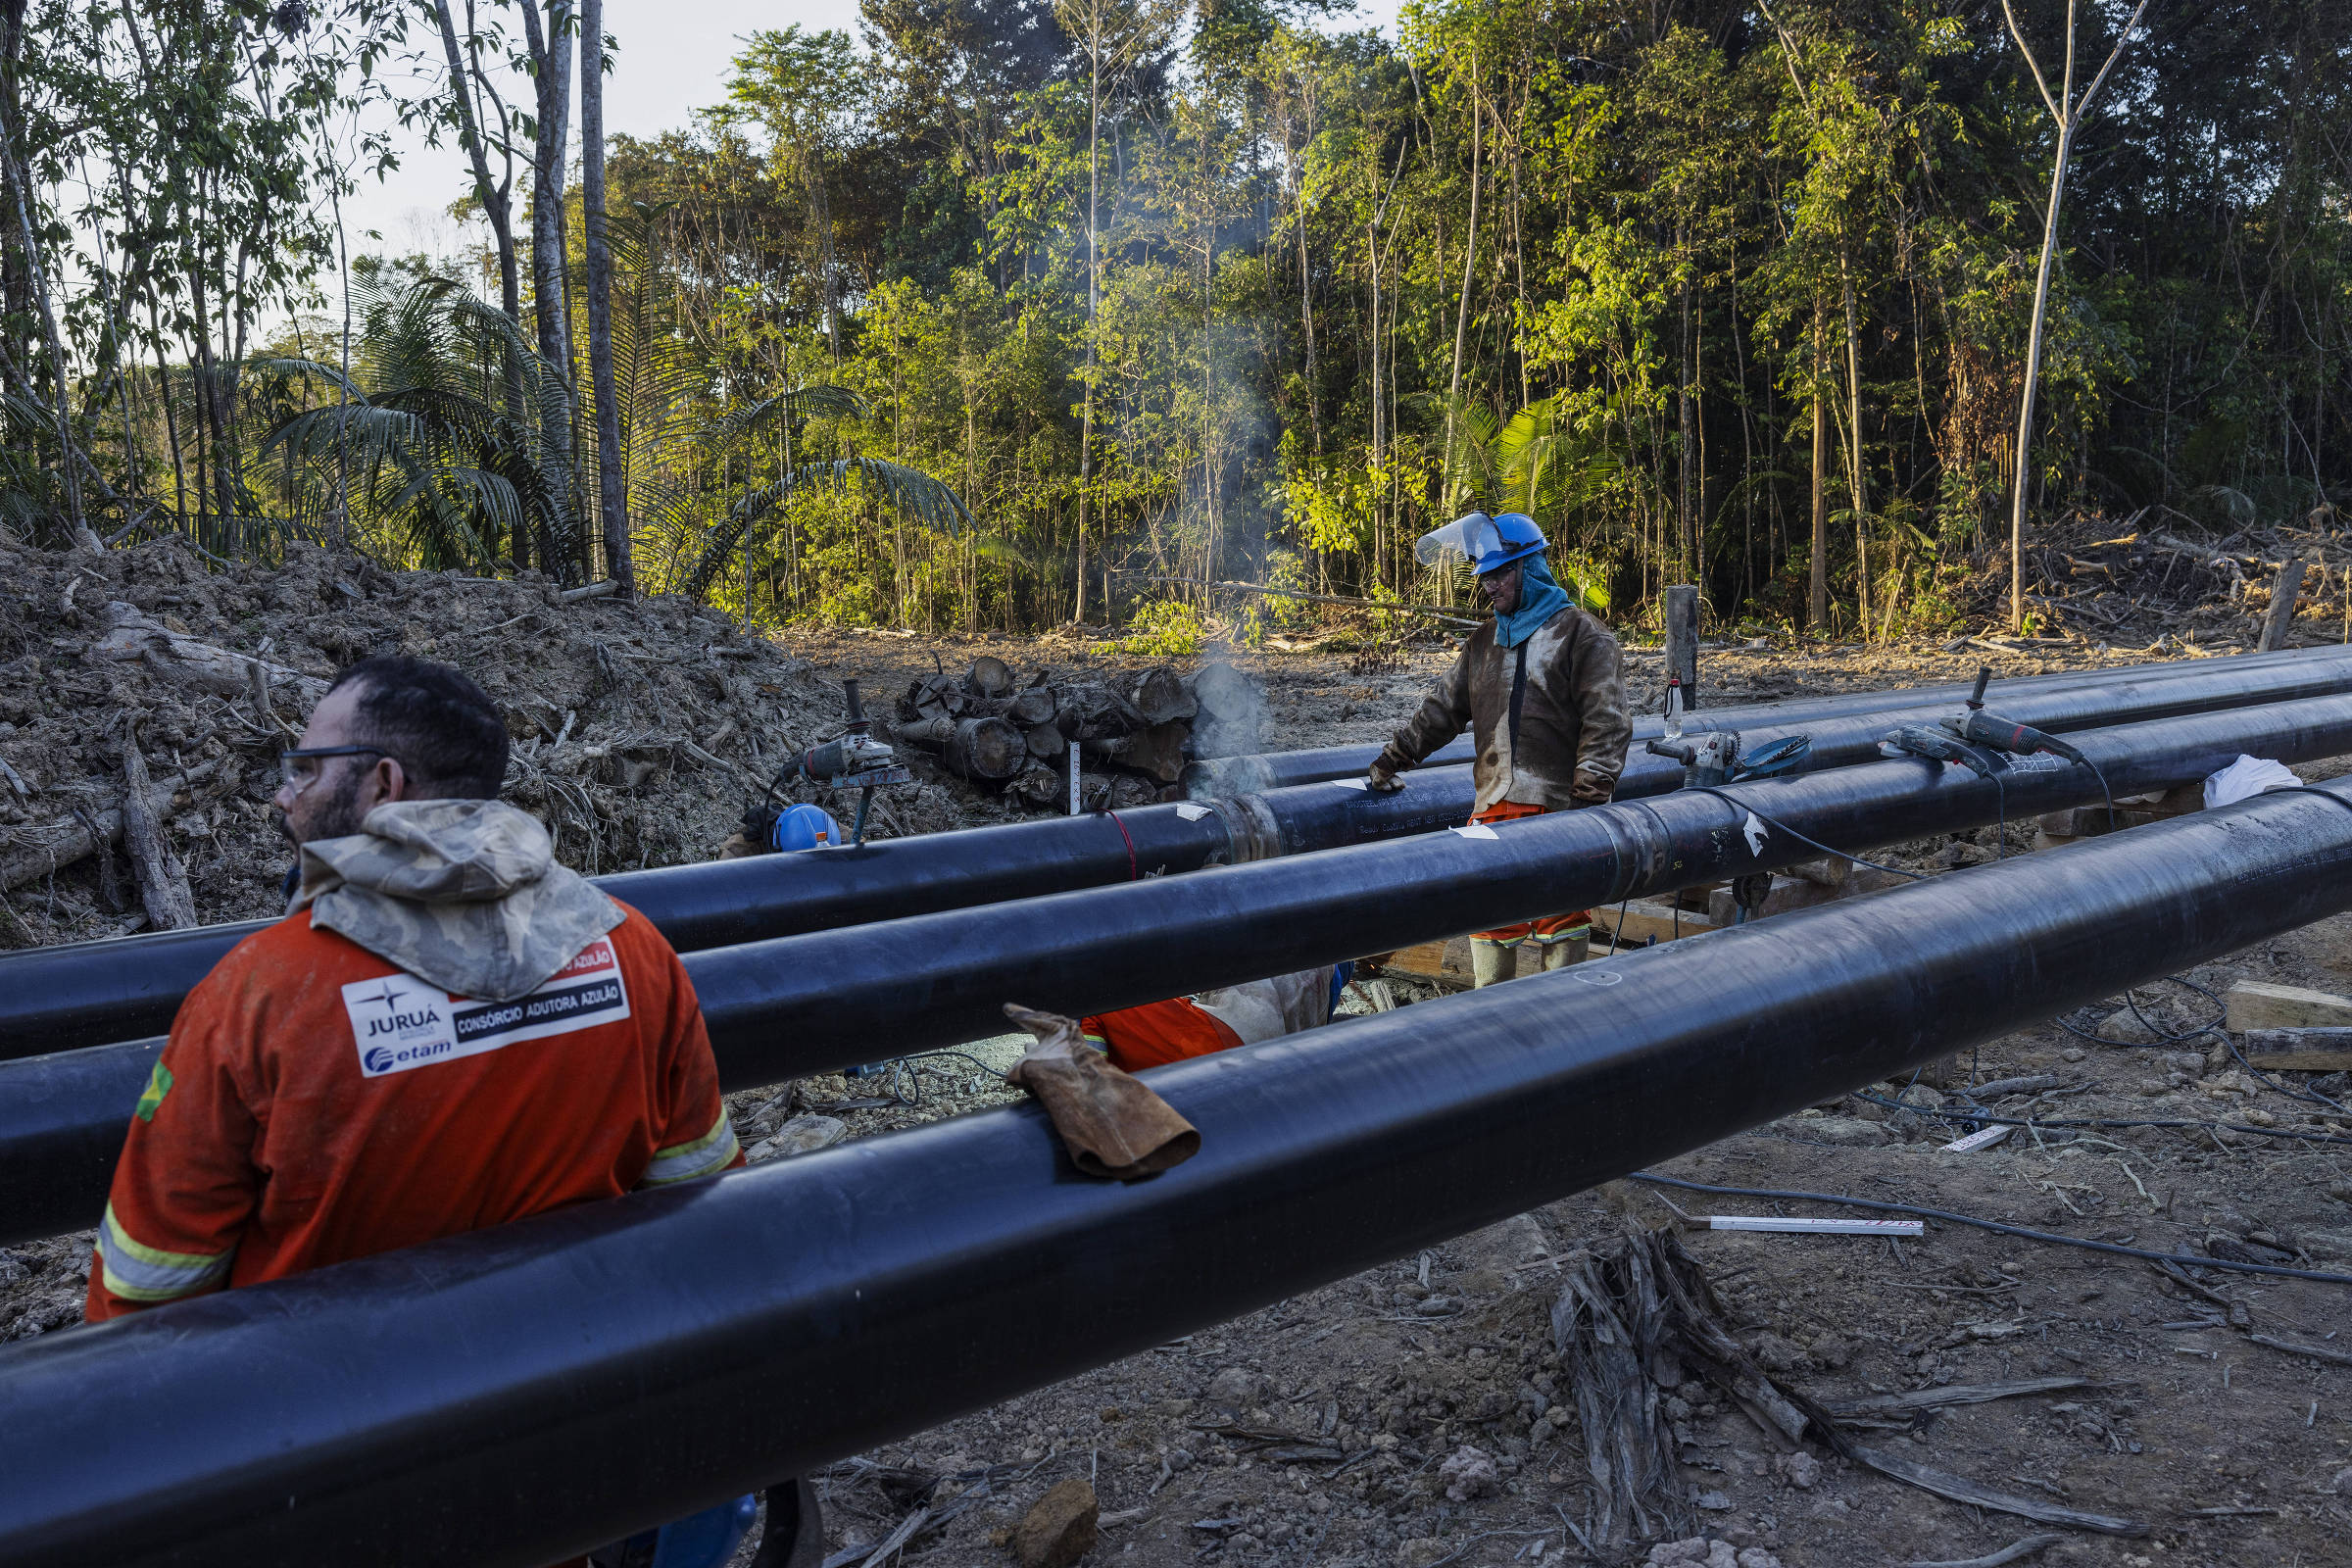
<point x="317" y="1103"/>
<point x="1158" y="1033"/>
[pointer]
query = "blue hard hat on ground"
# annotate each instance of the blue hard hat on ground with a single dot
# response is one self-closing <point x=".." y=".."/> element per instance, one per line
<point x="1488" y="543"/>
<point x="804" y="827"/>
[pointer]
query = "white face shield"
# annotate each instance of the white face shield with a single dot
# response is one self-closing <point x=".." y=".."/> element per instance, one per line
<point x="1472" y="536"/>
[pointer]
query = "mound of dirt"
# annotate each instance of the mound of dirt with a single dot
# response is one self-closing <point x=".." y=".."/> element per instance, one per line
<point x="639" y="728"/>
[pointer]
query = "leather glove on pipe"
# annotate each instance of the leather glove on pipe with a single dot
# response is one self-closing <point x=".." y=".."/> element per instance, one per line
<point x="1112" y="1124"/>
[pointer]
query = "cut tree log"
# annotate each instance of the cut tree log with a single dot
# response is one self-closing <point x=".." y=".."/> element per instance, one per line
<point x="1047" y="744"/>
<point x="182" y="658"/>
<point x="989" y="676"/>
<point x="990" y="749"/>
<point x="2260" y="1005"/>
<point x="162" y="878"/>
<point x="1157" y="750"/>
<point x="1091" y="709"/>
<point x="1158" y="695"/>
<point x="32" y="854"/>
<point x="1041" y="787"/>
<point x="1035" y="706"/>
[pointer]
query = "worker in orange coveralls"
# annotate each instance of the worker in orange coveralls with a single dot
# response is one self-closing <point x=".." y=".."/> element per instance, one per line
<point x="1160" y="1032"/>
<point x="447" y="1031"/>
<point x="1542" y="687"/>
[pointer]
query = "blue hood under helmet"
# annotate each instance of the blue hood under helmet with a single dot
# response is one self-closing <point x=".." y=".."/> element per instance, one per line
<point x="1490" y="544"/>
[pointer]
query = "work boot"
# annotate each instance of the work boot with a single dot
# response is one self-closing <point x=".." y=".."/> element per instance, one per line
<point x="1560" y="953"/>
<point x="1492" y="962"/>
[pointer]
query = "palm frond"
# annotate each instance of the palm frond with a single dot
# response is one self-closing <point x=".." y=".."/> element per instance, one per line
<point x="910" y="490"/>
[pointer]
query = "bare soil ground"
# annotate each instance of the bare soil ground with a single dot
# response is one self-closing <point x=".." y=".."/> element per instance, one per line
<point x="2232" y="1452"/>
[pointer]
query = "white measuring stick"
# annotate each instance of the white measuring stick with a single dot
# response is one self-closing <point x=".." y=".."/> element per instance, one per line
<point x="1979" y="1139"/>
<point x="1816" y="1227"/>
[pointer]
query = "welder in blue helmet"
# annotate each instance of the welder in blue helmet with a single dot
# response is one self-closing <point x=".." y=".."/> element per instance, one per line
<point x="1542" y="688"/>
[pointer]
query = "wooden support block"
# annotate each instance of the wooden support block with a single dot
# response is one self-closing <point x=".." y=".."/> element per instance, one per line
<point x="2260" y="1005"/>
<point x="2327" y="1050"/>
<point x="1447" y="959"/>
<point x="1643" y="919"/>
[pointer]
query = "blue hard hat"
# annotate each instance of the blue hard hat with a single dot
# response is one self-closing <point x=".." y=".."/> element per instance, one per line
<point x="1488" y="544"/>
<point x="804" y="827"/>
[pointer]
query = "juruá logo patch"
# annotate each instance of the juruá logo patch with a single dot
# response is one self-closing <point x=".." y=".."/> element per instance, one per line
<point x="399" y="1022"/>
<point x="159" y="1083"/>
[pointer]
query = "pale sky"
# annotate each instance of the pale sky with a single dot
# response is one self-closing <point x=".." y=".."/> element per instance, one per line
<point x="671" y="60"/>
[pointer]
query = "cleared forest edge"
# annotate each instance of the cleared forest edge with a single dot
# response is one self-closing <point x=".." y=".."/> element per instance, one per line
<point x="640" y="727"/>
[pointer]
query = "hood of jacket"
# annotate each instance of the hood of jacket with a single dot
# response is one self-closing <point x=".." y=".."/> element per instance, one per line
<point x="465" y="895"/>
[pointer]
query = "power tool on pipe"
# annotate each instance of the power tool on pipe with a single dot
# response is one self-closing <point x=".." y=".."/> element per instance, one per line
<point x="1713" y="757"/>
<point x="1977" y="739"/>
<point x="851" y="760"/>
<point x="2001" y="734"/>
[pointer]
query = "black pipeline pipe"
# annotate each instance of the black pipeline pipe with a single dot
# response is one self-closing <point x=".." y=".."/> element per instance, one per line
<point x="1269" y="770"/>
<point x="61" y="999"/>
<point x="88" y="993"/>
<point x="810" y="1004"/>
<point x="510" y="1397"/>
<point x="1337" y="812"/>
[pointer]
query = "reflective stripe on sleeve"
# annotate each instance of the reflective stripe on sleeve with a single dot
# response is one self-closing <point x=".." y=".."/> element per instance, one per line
<point x="712" y="1152"/>
<point x="137" y="1272"/>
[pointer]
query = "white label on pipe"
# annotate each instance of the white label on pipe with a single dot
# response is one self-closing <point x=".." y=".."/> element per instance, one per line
<point x="1349" y="783"/>
<point x="1983" y="1138"/>
<point x="1190" y="812"/>
<point x="1753" y="827"/>
<point x="1476" y="830"/>
<point x="1816" y="1227"/>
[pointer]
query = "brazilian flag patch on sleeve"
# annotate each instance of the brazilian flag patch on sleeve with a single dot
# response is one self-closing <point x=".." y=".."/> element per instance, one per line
<point x="159" y="1083"/>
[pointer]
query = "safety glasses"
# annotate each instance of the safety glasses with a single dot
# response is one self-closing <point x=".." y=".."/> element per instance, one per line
<point x="298" y="770"/>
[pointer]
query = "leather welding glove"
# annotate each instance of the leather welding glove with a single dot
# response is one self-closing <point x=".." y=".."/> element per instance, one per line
<point x="1111" y="1123"/>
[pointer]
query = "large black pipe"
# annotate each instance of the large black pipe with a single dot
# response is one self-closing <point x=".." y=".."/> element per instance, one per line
<point x="60" y="999"/>
<point x="1337" y="812"/>
<point x="88" y="993"/>
<point x="808" y="1003"/>
<point x="506" y="1398"/>
<point x="1269" y="770"/>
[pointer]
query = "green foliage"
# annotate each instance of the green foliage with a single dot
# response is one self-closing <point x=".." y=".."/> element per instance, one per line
<point x="1164" y="628"/>
<point x="855" y="331"/>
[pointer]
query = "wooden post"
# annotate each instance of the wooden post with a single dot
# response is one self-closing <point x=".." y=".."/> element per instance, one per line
<point x="2283" y="594"/>
<point x="1681" y="639"/>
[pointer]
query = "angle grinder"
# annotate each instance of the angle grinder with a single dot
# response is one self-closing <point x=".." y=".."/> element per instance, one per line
<point x="2002" y="734"/>
<point x="851" y="760"/>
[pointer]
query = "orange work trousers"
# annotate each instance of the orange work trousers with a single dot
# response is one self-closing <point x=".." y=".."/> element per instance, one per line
<point x="1544" y="930"/>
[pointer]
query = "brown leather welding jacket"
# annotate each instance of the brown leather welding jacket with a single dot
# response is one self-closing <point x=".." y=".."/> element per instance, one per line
<point x="1568" y="744"/>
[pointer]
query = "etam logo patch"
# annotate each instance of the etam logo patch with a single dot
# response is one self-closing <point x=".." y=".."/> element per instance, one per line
<point x="399" y="1022"/>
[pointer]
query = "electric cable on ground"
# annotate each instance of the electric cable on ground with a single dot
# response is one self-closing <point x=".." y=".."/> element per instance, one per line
<point x="2177" y="1259"/>
<point x="2080" y="1123"/>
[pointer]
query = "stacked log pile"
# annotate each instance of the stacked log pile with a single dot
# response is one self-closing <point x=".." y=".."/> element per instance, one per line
<point x="1133" y="732"/>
